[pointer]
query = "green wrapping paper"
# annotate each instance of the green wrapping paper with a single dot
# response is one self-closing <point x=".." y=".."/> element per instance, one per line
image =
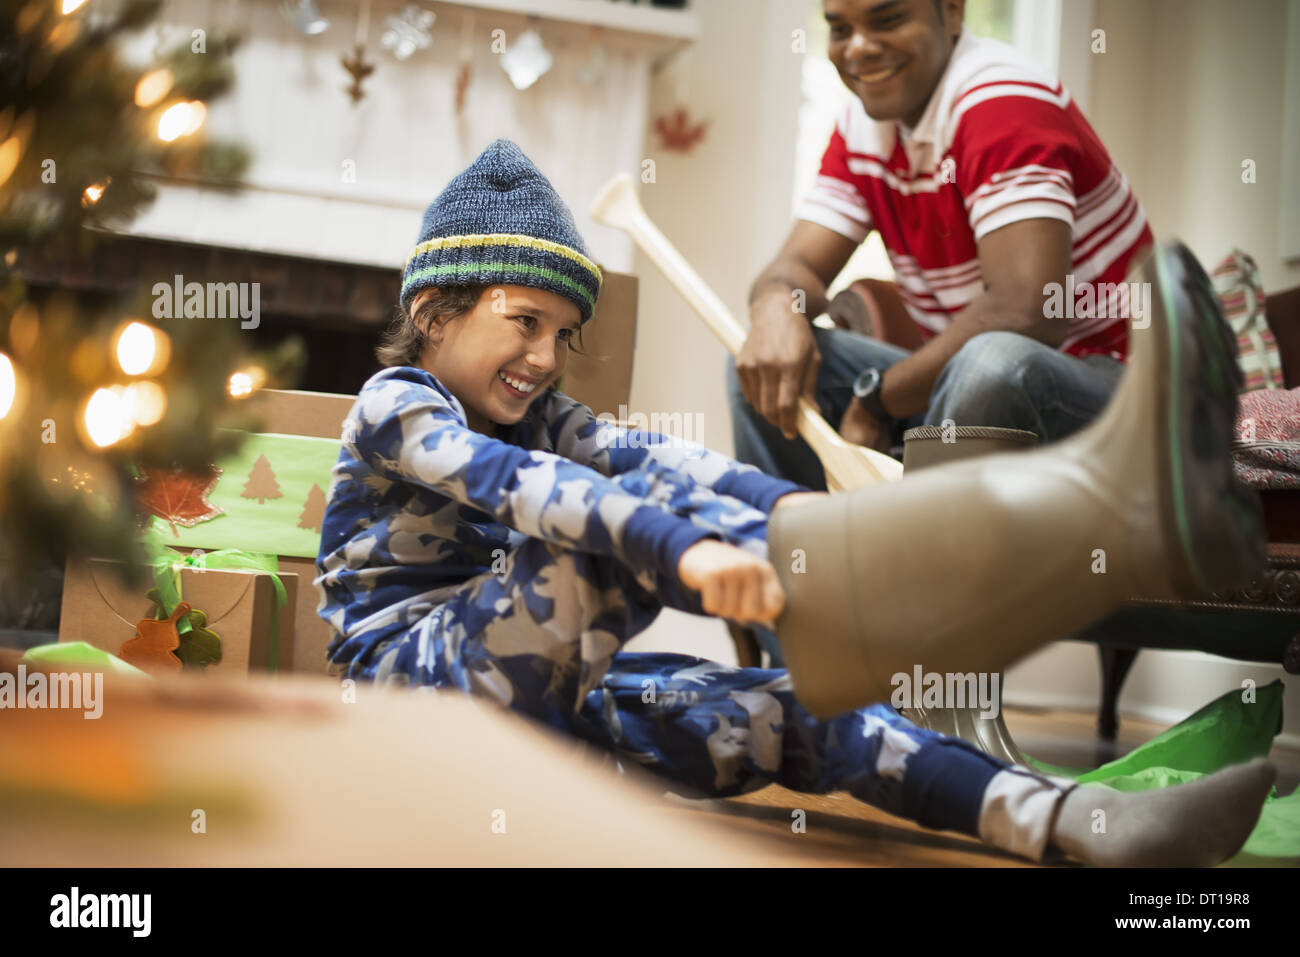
<point x="1226" y="731"/>
<point x="272" y="492"/>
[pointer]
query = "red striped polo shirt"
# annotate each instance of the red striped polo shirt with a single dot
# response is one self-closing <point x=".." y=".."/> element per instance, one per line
<point x="999" y="142"/>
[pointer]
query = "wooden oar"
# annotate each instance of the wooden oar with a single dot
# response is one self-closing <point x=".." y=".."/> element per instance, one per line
<point x="847" y="465"/>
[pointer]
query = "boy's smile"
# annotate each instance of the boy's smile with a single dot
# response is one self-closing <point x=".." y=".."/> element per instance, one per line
<point x="502" y="354"/>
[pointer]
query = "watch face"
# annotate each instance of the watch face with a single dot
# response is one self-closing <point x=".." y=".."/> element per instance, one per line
<point x="866" y="382"/>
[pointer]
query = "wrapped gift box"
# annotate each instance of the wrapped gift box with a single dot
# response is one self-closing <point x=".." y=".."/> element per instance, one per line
<point x="240" y="606"/>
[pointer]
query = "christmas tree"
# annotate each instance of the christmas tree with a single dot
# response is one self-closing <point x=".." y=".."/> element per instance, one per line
<point x="261" y="483"/>
<point x="88" y="398"/>
<point x="313" y="512"/>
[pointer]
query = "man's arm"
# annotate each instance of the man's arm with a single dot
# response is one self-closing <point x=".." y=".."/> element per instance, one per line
<point x="1016" y="262"/>
<point x="779" y="360"/>
<point x="810" y="259"/>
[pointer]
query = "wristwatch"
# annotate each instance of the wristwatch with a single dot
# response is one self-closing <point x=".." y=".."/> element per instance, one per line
<point x="867" y="388"/>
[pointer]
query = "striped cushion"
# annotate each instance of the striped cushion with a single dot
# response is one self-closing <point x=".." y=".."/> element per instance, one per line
<point x="1236" y="281"/>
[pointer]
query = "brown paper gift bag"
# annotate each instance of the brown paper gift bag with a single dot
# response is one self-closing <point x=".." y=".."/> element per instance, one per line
<point x="239" y="605"/>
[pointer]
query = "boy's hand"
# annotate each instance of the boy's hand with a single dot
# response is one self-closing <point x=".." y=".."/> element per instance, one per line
<point x="732" y="583"/>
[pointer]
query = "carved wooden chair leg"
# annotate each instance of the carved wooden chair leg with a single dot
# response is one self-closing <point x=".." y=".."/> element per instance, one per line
<point x="1115" y="665"/>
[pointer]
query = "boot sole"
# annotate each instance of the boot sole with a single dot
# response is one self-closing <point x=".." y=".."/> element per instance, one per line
<point x="1215" y="521"/>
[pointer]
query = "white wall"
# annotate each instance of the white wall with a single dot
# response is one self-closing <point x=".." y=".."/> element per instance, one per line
<point x="726" y="206"/>
<point x="1186" y="91"/>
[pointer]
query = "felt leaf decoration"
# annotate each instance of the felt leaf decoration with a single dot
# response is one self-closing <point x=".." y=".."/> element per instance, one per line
<point x="677" y="132"/>
<point x="200" y="647"/>
<point x="179" y="498"/>
<point x="151" y="648"/>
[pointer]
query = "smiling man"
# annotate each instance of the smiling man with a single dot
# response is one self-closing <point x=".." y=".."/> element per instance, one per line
<point x="987" y="186"/>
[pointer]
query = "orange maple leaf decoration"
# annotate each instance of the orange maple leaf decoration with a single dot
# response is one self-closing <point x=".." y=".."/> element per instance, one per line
<point x="676" y="132"/>
<point x="151" y="648"/>
<point x="179" y="498"/>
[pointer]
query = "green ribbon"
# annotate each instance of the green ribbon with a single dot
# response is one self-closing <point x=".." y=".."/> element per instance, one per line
<point x="166" y="563"/>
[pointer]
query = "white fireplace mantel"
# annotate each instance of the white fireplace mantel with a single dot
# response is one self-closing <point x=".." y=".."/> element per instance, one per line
<point x="332" y="180"/>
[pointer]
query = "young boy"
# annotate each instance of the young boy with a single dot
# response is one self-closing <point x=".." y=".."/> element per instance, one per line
<point x="484" y="531"/>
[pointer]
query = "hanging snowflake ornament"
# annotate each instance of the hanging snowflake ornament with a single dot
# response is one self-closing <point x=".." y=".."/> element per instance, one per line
<point x="526" y="59"/>
<point x="411" y="31"/>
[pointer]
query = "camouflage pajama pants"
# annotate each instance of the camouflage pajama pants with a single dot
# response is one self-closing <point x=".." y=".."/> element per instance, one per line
<point x="543" y="637"/>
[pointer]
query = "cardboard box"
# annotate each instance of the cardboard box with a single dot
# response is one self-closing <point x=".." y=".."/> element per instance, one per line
<point x="100" y="610"/>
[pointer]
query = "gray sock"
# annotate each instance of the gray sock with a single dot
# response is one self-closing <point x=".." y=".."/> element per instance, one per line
<point x="1198" y="824"/>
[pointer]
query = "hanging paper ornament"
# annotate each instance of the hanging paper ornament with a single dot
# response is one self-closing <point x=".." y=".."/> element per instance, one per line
<point x="359" y="69"/>
<point x="410" y="31"/>
<point x="465" y="70"/>
<point x="592" y="72"/>
<point x="526" y="59"/>
<point x="678" y="132"/>
<point x="305" y="17"/>
<point x="462" y="84"/>
<point x="356" y="64"/>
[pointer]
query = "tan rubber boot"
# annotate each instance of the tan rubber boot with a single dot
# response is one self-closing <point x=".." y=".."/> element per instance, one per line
<point x="923" y="447"/>
<point x="968" y="566"/>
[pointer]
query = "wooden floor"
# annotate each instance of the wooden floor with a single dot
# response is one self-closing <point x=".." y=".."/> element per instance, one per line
<point x="842" y="831"/>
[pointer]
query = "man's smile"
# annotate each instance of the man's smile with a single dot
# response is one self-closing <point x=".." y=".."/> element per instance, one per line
<point x="878" y="76"/>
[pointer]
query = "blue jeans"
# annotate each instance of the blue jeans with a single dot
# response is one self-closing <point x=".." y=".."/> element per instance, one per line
<point x="998" y="379"/>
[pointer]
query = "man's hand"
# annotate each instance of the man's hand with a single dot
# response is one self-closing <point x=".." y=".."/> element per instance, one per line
<point x="778" y="362"/>
<point x="862" y="428"/>
<point x="732" y="583"/>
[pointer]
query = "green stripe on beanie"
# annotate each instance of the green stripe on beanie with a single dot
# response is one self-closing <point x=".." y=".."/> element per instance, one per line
<point x="510" y="274"/>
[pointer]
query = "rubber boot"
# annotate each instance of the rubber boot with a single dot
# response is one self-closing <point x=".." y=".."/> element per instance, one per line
<point x="968" y="566"/>
<point x="926" y="446"/>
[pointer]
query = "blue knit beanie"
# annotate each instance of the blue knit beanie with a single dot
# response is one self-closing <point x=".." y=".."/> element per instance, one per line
<point x="502" y="222"/>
